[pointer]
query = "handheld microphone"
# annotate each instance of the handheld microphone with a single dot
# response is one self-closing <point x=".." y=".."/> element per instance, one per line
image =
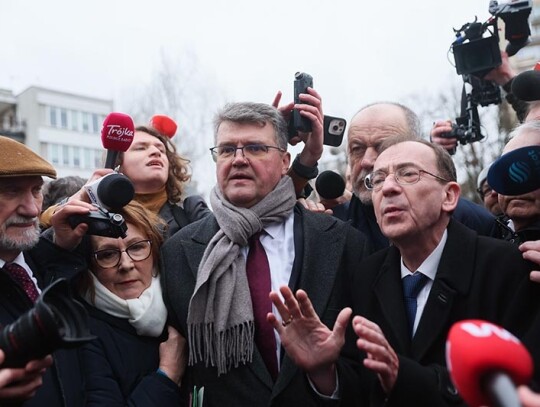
<point x="486" y="363"/>
<point x="164" y="125"/>
<point x="526" y="85"/>
<point x="116" y="135"/>
<point x="329" y="185"/>
<point x="516" y="172"/>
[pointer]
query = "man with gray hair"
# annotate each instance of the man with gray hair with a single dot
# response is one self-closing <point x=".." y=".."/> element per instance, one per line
<point x="218" y="272"/>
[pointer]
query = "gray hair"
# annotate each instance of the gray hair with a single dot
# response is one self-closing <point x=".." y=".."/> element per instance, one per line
<point x="414" y="126"/>
<point x="254" y="113"/>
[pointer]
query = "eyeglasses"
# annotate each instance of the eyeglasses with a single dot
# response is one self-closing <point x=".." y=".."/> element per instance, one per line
<point x="109" y="258"/>
<point x="404" y="176"/>
<point x="248" y="151"/>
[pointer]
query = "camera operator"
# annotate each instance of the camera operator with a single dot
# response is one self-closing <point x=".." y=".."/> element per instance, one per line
<point x="27" y="265"/>
<point x="502" y="76"/>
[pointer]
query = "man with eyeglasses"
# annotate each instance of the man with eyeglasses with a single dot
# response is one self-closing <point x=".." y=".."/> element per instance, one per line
<point x="28" y="264"/>
<point x="218" y="273"/>
<point x="369" y="128"/>
<point x="406" y="297"/>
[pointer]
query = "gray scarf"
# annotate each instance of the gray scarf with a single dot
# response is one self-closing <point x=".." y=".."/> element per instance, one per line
<point x="220" y="315"/>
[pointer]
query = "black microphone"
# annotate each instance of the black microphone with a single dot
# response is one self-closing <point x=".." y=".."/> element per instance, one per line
<point x="330" y="185"/>
<point x="526" y="86"/>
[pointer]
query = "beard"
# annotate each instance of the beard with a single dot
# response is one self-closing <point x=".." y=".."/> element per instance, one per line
<point x="360" y="189"/>
<point x="22" y="240"/>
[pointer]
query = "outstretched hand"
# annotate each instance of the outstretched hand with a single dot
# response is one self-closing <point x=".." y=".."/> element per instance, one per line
<point x="310" y="344"/>
<point x="381" y="357"/>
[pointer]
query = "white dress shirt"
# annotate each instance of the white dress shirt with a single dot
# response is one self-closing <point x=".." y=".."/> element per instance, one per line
<point x="21" y="262"/>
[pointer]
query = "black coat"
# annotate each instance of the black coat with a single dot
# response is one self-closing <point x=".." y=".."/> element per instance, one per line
<point x="476" y="279"/>
<point x="325" y="250"/>
<point x="62" y="382"/>
<point x="120" y="366"/>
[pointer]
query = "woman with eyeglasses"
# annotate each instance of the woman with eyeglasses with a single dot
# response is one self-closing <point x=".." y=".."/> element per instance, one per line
<point x="136" y="359"/>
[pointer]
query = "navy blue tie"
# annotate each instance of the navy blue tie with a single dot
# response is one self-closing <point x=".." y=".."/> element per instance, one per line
<point x="412" y="284"/>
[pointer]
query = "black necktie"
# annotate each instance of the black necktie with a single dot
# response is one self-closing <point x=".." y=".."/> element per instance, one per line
<point x="258" y="275"/>
<point x="412" y="284"/>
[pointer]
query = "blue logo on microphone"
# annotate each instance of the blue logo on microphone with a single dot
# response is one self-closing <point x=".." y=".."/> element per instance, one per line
<point x="519" y="172"/>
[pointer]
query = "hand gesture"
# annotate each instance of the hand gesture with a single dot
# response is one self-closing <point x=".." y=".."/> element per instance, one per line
<point x="173" y="356"/>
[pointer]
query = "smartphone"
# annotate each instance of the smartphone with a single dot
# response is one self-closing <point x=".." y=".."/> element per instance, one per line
<point x="334" y="129"/>
<point x="302" y="81"/>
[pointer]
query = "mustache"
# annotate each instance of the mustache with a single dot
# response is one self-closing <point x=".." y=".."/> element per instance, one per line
<point x="20" y="220"/>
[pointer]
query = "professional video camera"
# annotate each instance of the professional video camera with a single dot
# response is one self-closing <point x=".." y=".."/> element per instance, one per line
<point x="476" y="52"/>
<point x="109" y="194"/>
<point x="56" y="321"/>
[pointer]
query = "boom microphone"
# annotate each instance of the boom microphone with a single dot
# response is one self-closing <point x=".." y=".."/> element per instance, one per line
<point x="116" y="135"/>
<point x="329" y="185"/>
<point x="526" y="85"/>
<point x="486" y="363"/>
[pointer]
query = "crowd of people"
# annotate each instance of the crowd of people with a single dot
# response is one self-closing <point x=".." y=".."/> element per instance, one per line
<point x="264" y="298"/>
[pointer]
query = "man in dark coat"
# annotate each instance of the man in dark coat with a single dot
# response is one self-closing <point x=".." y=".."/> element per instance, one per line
<point x="206" y="264"/>
<point x="459" y="275"/>
<point x="28" y="264"/>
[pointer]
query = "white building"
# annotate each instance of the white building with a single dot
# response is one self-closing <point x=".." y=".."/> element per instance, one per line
<point x="63" y="128"/>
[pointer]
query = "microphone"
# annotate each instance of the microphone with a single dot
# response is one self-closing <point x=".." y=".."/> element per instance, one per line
<point x="329" y="185"/>
<point x="526" y="85"/>
<point x="516" y="172"/>
<point x="486" y="363"/>
<point x="164" y="125"/>
<point x="116" y="135"/>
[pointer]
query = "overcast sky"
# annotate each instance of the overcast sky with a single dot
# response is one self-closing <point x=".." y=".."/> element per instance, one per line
<point x="357" y="51"/>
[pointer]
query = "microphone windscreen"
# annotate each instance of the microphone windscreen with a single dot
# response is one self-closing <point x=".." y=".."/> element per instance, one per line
<point x="329" y="185"/>
<point x="475" y="348"/>
<point x="115" y="191"/>
<point x="117" y="132"/>
<point x="164" y="125"/>
<point x="516" y="172"/>
<point x="526" y="86"/>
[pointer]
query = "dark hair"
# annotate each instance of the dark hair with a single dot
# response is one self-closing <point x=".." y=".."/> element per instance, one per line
<point x="255" y="113"/>
<point x="443" y="160"/>
<point x="58" y="189"/>
<point x="178" y="166"/>
<point x="147" y="221"/>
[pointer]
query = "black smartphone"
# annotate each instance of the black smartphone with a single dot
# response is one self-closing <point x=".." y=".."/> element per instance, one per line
<point x="334" y="129"/>
<point x="302" y="81"/>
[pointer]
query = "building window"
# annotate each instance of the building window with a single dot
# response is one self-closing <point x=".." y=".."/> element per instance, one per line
<point x="63" y="119"/>
<point x="95" y="123"/>
<point x="85" y="122"/>
<point x="74" y="120"/>
<point x="87" y="156"/>
<point x="55" y="154"/>
<point x="53" y="122"/>
<point x="65" y="156"/>
<point x="77" y="157"/>
<point x="98" y="159"/>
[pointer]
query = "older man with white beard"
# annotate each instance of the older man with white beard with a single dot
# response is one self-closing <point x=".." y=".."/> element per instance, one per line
<point x="27" y="265"/>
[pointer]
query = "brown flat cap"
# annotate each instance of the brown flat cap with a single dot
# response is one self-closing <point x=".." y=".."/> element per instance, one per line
<point x="17" y="160"/>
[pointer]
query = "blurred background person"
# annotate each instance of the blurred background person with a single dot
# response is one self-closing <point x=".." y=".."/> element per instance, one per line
<point x="56" y="190"/>
<point x="132" y="362"/>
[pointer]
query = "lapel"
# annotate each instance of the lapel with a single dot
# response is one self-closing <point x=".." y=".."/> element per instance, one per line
<point x="388" y="291"/>
<point x="323" y="239"/>
<point x="453" y="279"/>
<point x="196" y="244"/>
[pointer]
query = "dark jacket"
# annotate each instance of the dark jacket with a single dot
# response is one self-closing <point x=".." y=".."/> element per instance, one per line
<point x="62" y="382"/>
<point x="120" y="366"/>
<point x="476" y="279"/>
<point x="325" y="249"/>
<point x="177" y="216"/>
